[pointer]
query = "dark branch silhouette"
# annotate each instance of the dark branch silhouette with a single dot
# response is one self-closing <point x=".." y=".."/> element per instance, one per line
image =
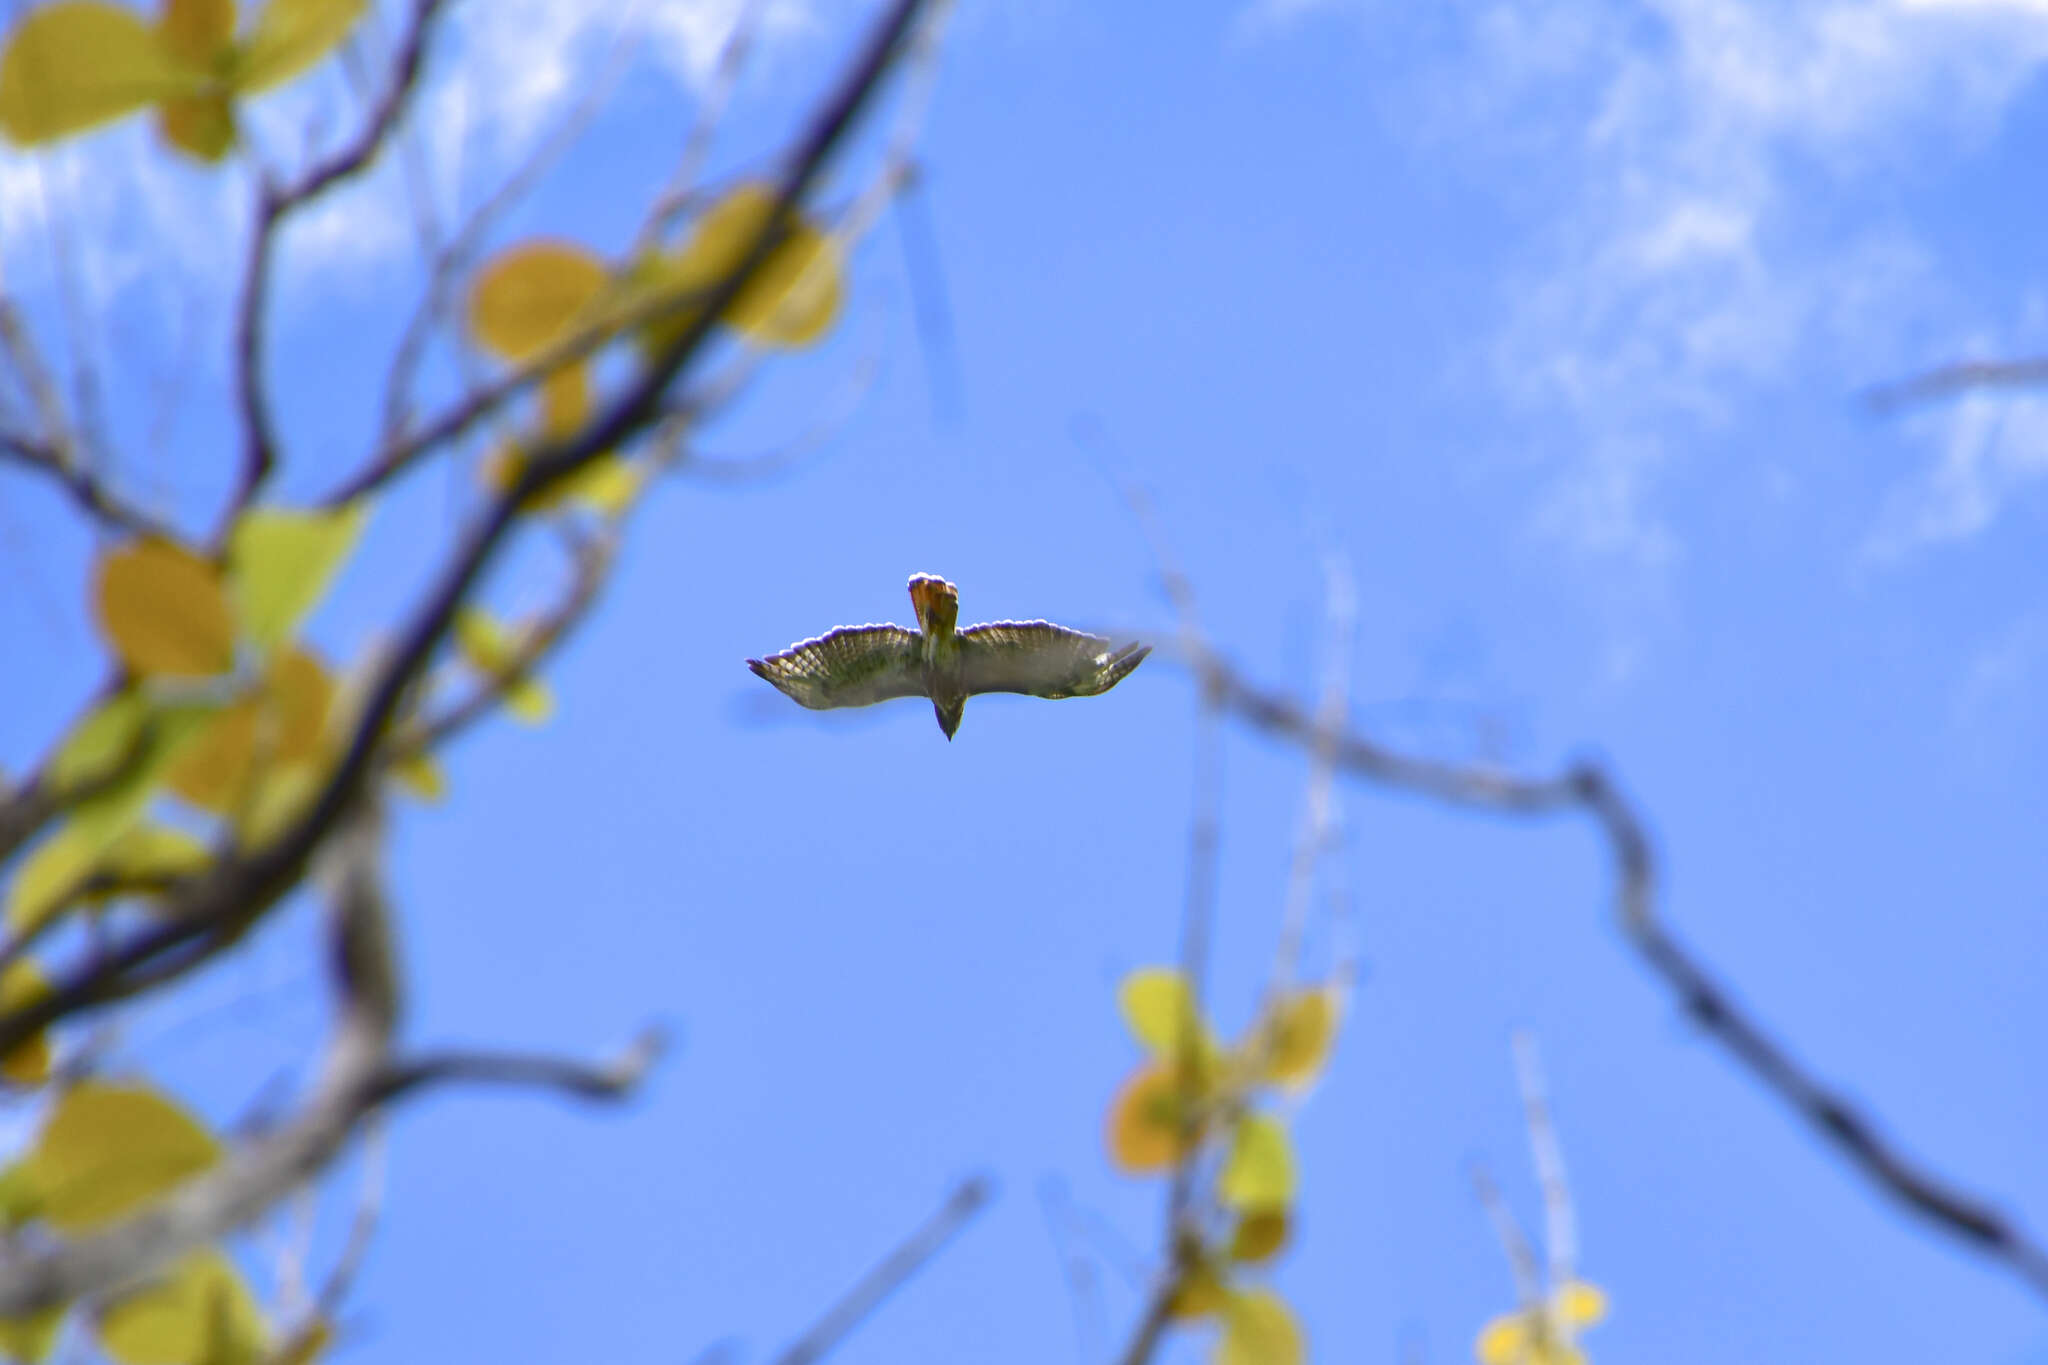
<point x="1588" y="790"/>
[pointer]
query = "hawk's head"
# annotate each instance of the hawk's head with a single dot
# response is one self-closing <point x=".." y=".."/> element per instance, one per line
<point x="937" y="603"/>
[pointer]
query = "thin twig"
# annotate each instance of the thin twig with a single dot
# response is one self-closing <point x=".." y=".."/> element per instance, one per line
<point x="83" y="487"/>
<point x="452" y="260"/>
<point x="677" y="197"/>
<point x="1560" y="1226"/>
<point x="273" y="208"/>
<point x="1521" y="1259"/>
<point x="1316" y="818"/>
<point x="889" y="1274"/>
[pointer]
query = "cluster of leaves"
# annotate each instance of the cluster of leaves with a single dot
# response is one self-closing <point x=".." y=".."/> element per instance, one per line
<point x="1544" y="1332"/>
<point x="74" y="65"/>
<point x="220" y="723"/>
<point x="106" y="1150"/>
<point x="1196" y="1105"/>
<point x="533" y="303"/>
<point x="218" y="708"/>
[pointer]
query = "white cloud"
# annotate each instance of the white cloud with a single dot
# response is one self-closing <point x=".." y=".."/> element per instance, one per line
<point x="1717" y="216"/>
<point x="1989" y="447"/>
<point x="502" y="73"/>
<point x="1700" y="268"/>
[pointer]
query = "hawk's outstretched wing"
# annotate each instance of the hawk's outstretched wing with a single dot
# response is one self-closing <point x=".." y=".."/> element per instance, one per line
<point x="1040" y="659"/>
<point x="851" y="666"/>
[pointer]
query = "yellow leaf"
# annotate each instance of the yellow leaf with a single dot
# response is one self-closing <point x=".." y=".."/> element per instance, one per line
<point x="281" y="562"/>
<point x="50" y="877"/>
<point x="1259" y="1173"/>
<point x="793" y="298"/>
<point x="283" y="722"/>
<point x="199" y="1313"/>
<point x="199" y="33"/>
<point x="23" y="983"/>
<point x="493" y="652"/>
<point x="30" y="1339"/>
<point x="300" y="696"/>
<point x="1158" y="1009"/>
<point x="564" y="401"/>
<point x="1145" y="1121"/>
<point x="77" y="63"/>
<point x="1201" y="1294"/>
<point x="1260" y="1235"/>
<point x="663" y="284"/>
<point x="108" y="1149"/>
<point x="423" y="777"/>
<point x="213" y="770"/>
<point x="292" y="35"/>
<point x="1298" y="1036"/>
<point x="1259" y="1329"/>
<point x="164" y="611"/>
<point x="1503" y="1341"/>
<point x="1580" y="1304"/>
<point x="609" y="484"/>
<point x="531" y="296"/>
<point x="202" y="126"/>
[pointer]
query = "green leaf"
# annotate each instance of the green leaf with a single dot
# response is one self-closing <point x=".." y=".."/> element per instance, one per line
<point x="78" y="63"/>
<point x="20" y="1199"/>
<point x="291" y="36"/>
<point x="98" y="744"/>
<point x="281" y="563"/>
<point x="108" y="1149"/>
<point x="200" y="1313"/>
<point x="30" y="1339"/>
<point x="168" y="732"/>
<point x="492" y="651"/>
<point x="1259" y="1173"/>
<point x="50" y="876"/>
<point x="1259" y="1329"/>
<point x="421" y="776"/>
<point x="28" y="1064"/>
<point x="151" y="853"/>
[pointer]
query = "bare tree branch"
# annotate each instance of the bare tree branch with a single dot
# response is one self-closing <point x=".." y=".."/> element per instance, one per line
<point x="1588" y="790"/>
<point x="83" y="487"/>
<point x="604" y="1080"/>
<point x="1948" y="380"/>
<point x="224" y="903"/>
<point x="890" y="1274"/>
<point x="359" y="1078"/>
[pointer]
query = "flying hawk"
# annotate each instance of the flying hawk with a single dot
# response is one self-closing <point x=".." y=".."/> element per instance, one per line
<point x="861" y="665"/>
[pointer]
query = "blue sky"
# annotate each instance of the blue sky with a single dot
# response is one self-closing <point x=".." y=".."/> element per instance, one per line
<point x="1550" y="319"/>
